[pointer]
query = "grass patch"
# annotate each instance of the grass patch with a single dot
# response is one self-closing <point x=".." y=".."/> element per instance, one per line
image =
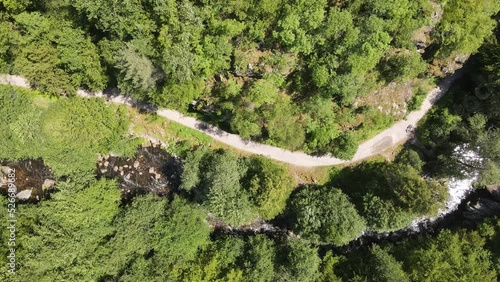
<point x="181" y="131"/>
<point x="419" y="92"/>
<point x="416" y="99"/>
<point x="311" y="175"/>
<point x="179" y="138"/>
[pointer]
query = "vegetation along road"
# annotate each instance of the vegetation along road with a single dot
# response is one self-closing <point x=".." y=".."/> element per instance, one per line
<point x="386" y="139"/>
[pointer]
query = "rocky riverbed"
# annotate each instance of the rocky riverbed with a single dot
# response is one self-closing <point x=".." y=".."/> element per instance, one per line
<point x="466" y="209"/>
<point x="33" y="179"/>
<point x="151" y="170"/>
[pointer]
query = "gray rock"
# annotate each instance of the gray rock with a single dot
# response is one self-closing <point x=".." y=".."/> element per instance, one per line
<point x="48" y="184"/>
<point x="24" y="195"/>
<point x="5" y="170"/>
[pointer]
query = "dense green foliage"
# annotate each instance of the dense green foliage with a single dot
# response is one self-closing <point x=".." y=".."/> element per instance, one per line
<point x="67" y="133"/>
<point x="373" y="264"/>
<point x="165" y="235"/>
<point x="390" y="195"/>
<point x="464" y="26"/>
<point x="92" y="238"/>
<point x="325" y="215"/>
<point x="54" y="56"/>
<point x="450" y="256"/>
<point x="269" y="185"/>
<point x="219" y="188"/>
<point x="237" y="190"/>
<point x="290" y="73"/>
<point x="465" y="125"/>
<point x="88" y="213"/>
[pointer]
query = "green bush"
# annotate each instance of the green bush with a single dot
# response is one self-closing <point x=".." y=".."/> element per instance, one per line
<point x="325" y="215"/>
<point x="416" y="99"/>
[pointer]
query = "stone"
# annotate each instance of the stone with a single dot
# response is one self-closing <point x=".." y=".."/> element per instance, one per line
<point x="494" y="189"/>
<point x="151" y="170"/>
<point x="5" y="170"/>
<point x="48" y="184"/>
<point x="24" y="195"/>
<point x="136" y="164"/>
<point x="106" y="163"/>
<point x="115" y="169"/>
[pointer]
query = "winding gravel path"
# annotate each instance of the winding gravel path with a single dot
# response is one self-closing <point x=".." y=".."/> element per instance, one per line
<point x="386" y="139"/>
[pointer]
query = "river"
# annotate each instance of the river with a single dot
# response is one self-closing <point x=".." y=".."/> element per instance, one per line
<point x="153" y="170"/>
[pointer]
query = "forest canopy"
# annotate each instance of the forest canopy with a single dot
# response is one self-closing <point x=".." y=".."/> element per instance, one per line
<point x="302" y="75"/>
<point x="292" y="73"/>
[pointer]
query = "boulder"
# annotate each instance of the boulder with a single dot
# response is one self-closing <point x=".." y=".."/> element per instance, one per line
<point x="494" y="189"/>
<point x="24" y="195"/>
<point x="48" y="184"/>
<point x="5" y="170"/>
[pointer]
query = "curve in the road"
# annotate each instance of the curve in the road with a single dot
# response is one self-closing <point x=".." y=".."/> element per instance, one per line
<point x="386" y="139"/>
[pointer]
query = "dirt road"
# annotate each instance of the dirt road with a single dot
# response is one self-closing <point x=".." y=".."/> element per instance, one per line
<point x="388" y="138"/>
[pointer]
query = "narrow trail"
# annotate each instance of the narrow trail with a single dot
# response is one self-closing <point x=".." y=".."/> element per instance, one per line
<point x="396" y="134"/>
